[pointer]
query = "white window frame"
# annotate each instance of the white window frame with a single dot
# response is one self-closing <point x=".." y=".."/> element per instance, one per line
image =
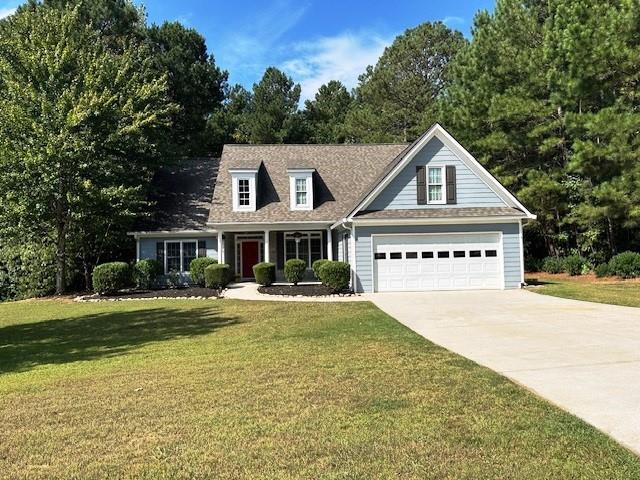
<point x="442" y="184"/>
<point x="181" y="242"/>
<point x="307" y="176"/>
<point x="236" y="177"/>
<point x="309" y="236"/>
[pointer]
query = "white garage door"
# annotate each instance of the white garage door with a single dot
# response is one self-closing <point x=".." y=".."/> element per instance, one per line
<point x="437" y="262"/>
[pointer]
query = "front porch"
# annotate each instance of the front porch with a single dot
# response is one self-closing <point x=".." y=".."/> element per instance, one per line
<point x="243" y="249"/>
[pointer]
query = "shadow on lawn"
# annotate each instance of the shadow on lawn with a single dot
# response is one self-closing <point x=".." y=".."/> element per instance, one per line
<point x="100" y="335"/>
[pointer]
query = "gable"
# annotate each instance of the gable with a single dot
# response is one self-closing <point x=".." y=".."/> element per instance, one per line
<point x="401" y="192"/>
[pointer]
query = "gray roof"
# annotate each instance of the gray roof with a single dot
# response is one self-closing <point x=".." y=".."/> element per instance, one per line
<point x="343" y="172"/>
<point x="181" y="196"/>
<point x="448" y="212"/>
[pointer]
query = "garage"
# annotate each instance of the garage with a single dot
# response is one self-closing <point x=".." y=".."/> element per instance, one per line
<point x="405" y="263"/>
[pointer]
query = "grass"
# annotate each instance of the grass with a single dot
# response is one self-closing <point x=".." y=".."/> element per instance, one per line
<point x="588" y="288"/>
<point x="228" y="389"/>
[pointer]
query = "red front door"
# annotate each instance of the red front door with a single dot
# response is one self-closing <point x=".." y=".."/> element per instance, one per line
<point x="250" y="256"/>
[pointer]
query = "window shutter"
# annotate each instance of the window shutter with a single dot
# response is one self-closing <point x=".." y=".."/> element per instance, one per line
<point x="421" y="184"/>
<point x="160" y="252"/>
<point x="202" y="248"/>
<point x="280" y="250"/>
<point x="452" y="195"/>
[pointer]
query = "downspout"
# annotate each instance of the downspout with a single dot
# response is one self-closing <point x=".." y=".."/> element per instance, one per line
<point x="352" y="251"/>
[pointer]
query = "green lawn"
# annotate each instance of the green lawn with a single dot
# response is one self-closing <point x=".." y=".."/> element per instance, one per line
<point x="615" y="292"/>
<point x="224" y="389"/>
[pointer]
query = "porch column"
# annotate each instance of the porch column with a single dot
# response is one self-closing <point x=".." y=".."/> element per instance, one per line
<point x="266" y="246"/>
<point x="329" y="245"/>
<point x="220" y="247"/>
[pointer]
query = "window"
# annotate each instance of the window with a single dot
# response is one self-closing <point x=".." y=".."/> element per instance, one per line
<point x="244" y="192"/>
<point x="178" y="255"/>
<point x="427" y="254"/>
<point x="395" y="256"/>
<point x="301" y="192"/>
<point x="459" y="254"/>
<point x="490" y="253"/>
<point x="305" y="246"/>
<point x="411" y="255"/>
<point x="380" y="256"/>
<point x="475" y="253"/>
<point x="435" y="185"/>
<point x="443" y="254"/>
<point x="244" y="195"/>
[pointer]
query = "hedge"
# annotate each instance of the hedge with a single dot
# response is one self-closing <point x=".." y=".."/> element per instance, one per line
<point x="553" y="265"/>
<point x="265" y="273"/>
<point x="336" y="275"/>
<point x="294" y="270"/>
<point x="574" y="265"/>
<point x="602" y="270"/>
<point x="625" y="265"/>
<point x="317" y="265"/>
<point x="217" y="275"/>
<point x="197" y="267"/>
<point x="109" y="278"/>
<point x="146" y="273"/>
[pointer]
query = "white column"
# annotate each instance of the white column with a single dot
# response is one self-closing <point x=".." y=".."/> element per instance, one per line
<point x="266" y="246"/>
<point x="329" y="245"/>
<point x="220" y="247"/>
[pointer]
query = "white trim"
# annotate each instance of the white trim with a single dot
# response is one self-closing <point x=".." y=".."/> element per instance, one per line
<point x="434" y="221"/>
<point x="173" y="233"/>
<point x="310" y="235"/>
<point x="521" y="238"/>
<point x="267" y="254"/>
<point x="353" y="254"/>
<point x="137" y="250"/>
<point x="442" y="185"/>
<point x="437" y="131"/>
<point x="294" y="176"/>
<point x="181" y="241"/>
<point x="250" y="177"/>
<point x="329" y="245"/>
<point x="261" y="226"/>
<point x="498" y="232"/>
<point x="238" y="242"/>
<point x="220" y="247"/>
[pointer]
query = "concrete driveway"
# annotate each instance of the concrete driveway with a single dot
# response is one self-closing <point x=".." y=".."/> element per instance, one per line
<point x="584" y="357"/>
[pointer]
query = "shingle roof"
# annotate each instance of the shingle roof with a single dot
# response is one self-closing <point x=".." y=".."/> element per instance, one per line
<point x="182" y="196"/>
<point x="448" y="212"/>
<point x="343" y="173"/>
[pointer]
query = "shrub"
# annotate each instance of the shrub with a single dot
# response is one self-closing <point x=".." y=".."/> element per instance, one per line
<point x="602" y="270"/>
<point x="336" y="275"/>
<point x="109" y="278"/>
<point x="532" y="264"/>
<point x="217" y="275"/>
<point x="573" y="264"/>
<point x="146" y="273"/>
<point x="294" y="270"/>
<point x="316" y="267"/>
<point x="265" y="273"/>
<point x="197" y="267"/>
<point x="27" y="270"/>
<point x="553" y="265"/>
<point x="625" y="265"/>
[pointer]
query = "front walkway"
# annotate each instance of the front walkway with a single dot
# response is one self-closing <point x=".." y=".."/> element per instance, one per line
<point x="249" y="291"/>
<point x="584" y="357"/>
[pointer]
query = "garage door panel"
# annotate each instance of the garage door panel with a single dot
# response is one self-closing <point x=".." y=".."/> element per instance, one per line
<point x="438" y="262"/>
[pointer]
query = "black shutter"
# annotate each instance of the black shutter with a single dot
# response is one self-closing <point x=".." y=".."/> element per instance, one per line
<point x="202" y="248"/>
<point x="279" y="250"/>
<point x="421" y="184"/>
<point x="160" y="252"/>
<point x="452" y="195"/>
<point x="323" y="246"/>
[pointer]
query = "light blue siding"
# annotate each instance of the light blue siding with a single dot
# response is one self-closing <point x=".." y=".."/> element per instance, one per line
<point x="510" y="239"/>
<point x="401" y="193"/>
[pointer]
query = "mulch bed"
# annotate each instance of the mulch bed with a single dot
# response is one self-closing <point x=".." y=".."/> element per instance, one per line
<point x="188" y="292"/>
<point x="299" y="290"/>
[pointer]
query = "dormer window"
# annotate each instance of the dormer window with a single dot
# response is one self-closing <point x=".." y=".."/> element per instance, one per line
<point x="301" y="189"/>
<point x="244" y="190"/>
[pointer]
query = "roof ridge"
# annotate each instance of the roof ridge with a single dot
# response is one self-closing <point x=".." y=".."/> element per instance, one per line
<point x="315" y="144"/>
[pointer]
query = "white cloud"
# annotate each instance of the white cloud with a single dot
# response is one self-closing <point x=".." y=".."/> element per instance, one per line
<point x="452" y="20"/>
<point x="5" y="12"/>
<point x="343" y="57"/>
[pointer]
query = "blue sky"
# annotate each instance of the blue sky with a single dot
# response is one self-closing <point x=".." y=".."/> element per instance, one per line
<point x="314" y="41"/>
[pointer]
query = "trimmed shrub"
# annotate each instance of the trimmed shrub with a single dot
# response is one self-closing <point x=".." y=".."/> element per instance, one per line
<point x="197" y="267"/>
<point x="146" y="273"/>
<point x="336" y="275"/>
<point x="109" y="278"/>
<point x="602" y="270"/>
<point x="217" y="275"/>
<point x="553" y="265"/>
<point x="265" y="273"/>
<point x="316" y="267"/>
<point x="573" y="264"/>
<point x="294" y="270"/>
<point x="625" y="265"/>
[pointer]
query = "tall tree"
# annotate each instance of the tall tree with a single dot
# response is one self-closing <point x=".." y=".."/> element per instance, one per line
<point x="397" y="99"/>
<point x="79" y="125"/>
<point x="273" y="113"/>
<point x="326" y="113"/>
<point x="228" y="124"/>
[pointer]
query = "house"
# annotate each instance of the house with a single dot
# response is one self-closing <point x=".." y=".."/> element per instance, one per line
<point x="425" y="216"/>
